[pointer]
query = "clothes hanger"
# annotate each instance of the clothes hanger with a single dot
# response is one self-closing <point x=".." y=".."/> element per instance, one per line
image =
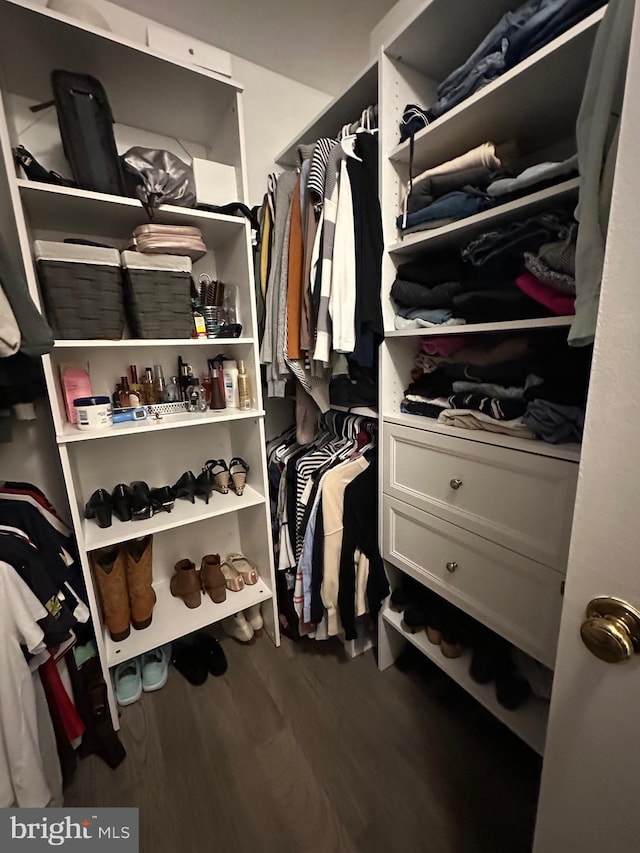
<point x="347" y="142"/>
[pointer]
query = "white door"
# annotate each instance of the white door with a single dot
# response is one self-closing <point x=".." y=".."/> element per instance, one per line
<point x="590" y="796"/>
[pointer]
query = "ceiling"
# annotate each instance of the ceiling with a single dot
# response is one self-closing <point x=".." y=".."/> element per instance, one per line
<point x="323" y="43"/>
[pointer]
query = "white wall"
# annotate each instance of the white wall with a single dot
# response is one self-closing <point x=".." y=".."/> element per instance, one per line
<point x="392" y="22"/>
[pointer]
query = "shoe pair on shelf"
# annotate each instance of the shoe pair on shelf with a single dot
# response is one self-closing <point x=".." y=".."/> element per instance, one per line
<point x="198" y="656"/>
<point x="244" y="627"/>
<point x="445" y="625"/>
<point x="213" y="579"/>
<point x="492" y="661"/>
<point x="136" y="502"/>
<point x="124" y="577"/>
<point x="216" y="476"/>
<point x="146" y="673"/>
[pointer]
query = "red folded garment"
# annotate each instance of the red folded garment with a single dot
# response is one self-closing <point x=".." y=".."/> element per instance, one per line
<point x="555" y="301"/>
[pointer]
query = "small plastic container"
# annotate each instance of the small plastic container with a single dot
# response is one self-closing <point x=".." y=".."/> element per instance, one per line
<point x="93" y="412"/>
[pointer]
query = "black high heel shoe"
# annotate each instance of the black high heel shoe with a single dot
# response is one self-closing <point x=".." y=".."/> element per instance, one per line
<point x="185" y="487"/>
<point x="99" y="507"/>
<point x="204" y="486"/>
<point x="141" y="506"/>
<point x="162" y="499"/>
<point x="121" y="498"/>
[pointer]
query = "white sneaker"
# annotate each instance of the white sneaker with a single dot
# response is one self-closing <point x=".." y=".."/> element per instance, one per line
<point x="254" y="618"/>
<point x="238" y="628"/>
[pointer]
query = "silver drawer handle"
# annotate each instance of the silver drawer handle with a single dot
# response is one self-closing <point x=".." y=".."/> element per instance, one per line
<point x="455" y="484"/>
<point x="451" y="566"/>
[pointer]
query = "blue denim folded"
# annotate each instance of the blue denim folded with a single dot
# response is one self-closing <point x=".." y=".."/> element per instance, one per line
<point x="509" y="24"/>
<point x="433" y="315"/>
<point x="550" y="22"/>
<point x="486" y="70"/>
<point x="456" y="205"/>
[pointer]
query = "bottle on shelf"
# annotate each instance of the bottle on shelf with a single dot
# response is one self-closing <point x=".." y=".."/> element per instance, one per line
<point x="134" y="385"/>
<point x="244" y="388"/>
<point x="159" y="385"/>
<point x="196" y="397"/>
<point x="230" y="372"/>
<point x="217" y="389"/>
<point x="148" y="391"/>
<point x="172" y="391"/>
<point x="127" y="397"/>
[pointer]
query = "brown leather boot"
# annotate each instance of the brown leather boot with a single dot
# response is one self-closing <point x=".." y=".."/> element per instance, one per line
<point x="185" y="584"/>
<point x="109" y="571"/>
<point x="213" y="581"/>
<point x="142" y="596"/>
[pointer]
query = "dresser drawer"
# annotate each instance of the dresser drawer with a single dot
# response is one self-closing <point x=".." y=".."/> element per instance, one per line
<point x="517" y="499"/>
<point x="517" y="597"/>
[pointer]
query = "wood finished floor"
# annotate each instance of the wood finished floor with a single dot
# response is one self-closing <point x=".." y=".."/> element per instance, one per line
<point x="299" y="750"/>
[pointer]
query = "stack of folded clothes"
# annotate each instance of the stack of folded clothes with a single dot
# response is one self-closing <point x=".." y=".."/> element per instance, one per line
<point x="451" y="191"/>
<point x="525" y="269"/>
<point x="516" y="36"/>
<point x="531" y="386"/>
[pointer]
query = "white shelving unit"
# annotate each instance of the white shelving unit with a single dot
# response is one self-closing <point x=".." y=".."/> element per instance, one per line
<point x="433" y="471"/>
<point x="205" y="110"/>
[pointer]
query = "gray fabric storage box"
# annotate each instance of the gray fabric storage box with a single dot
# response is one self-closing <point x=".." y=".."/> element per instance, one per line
<point x="81" y="289"/>
<point x="158" y="295"/>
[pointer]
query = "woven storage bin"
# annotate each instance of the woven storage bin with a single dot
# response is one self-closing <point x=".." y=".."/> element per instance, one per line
<point x="81" y="289"/>
<point x="158" y="295"/>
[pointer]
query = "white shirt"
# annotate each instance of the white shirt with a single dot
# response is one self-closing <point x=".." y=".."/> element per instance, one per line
<point x="22" y="776"/>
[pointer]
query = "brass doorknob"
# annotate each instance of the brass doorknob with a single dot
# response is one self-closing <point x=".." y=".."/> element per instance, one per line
<point x="611" y="630"/>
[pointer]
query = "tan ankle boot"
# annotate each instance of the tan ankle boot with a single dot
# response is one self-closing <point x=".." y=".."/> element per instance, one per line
<point x="142" y="596"/>
<point x="185" y="584"/>
<point x="109" y="571"/>
<point x="213" y="581"/>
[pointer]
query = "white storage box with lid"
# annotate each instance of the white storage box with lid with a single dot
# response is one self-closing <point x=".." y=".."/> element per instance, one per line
<point x="81" y="289"/>
<point x="158" y="295"/>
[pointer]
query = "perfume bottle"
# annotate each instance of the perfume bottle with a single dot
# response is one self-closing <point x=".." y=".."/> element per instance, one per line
<point x="134" y="385"/>
<point x="186" y="380"/>
<point x="159" y="385"/>
<point x="196" y="398"/>
<point x="172" y="391"/>
<point x="146" y="383"/>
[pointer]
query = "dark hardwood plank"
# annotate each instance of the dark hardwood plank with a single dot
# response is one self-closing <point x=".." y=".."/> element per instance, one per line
<point x="298" y="749"/>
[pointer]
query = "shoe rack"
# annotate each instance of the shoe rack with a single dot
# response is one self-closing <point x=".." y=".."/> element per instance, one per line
<point x="202" y="112"/>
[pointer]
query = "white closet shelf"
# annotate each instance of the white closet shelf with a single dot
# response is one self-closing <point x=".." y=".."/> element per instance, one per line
<point x="183" y="513"/>
<point x="475" y="328"/>
<point x="529" y="722"/>
<point x="135" y="343"/>
<point x="58" y="41"/>
<point x="361" y="411"/>
<point x="173" y="619"/>
<point x="534" y="102"/>
<point x="71" y="434"/>
<point x="53" y="208"/>
<point x="463" y="229"/>
<point x="570" y="452"/>
<point x="344" y="108"/>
